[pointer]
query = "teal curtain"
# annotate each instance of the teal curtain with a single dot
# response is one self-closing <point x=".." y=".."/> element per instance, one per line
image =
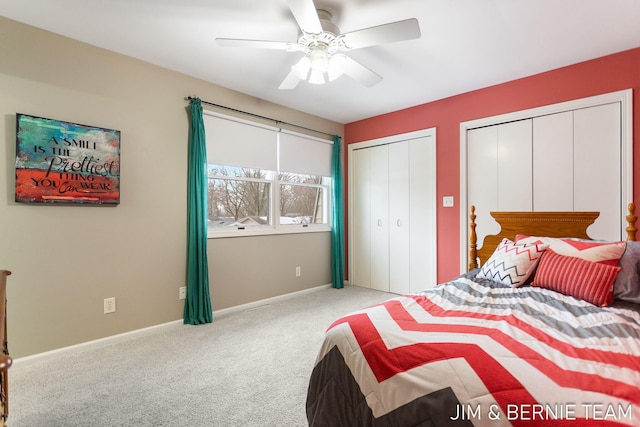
<point x="197" y="306"/>
<point x="337" y="217"/>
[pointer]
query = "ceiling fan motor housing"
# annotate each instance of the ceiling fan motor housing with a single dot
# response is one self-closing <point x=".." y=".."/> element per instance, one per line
<point x="327" y="40"/>
<point x="326" y="22"/>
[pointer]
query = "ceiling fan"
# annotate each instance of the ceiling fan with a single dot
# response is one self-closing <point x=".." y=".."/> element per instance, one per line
<point x="321" y="43"/>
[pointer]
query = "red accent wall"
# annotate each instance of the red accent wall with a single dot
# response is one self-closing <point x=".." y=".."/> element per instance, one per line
<point x="602" y="75"/>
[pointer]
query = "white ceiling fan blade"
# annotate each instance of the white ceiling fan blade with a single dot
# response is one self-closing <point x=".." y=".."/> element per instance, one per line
<point x="358" y="72"/>
<point x="386" y="33"/>
<point x="289" y="82"/>
<point x="304" y="11"/>
<point x="259" y="44"/>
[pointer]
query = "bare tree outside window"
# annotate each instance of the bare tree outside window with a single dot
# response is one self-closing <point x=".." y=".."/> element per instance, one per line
<point x="238" y="196"/>
<point x="301" y="199"/>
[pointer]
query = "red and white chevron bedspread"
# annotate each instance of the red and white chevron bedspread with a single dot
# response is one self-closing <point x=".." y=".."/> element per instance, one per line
<point x="474" y="353"/>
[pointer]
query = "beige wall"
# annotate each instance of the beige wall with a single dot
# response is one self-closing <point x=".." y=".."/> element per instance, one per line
<point x="256" y="268"/>
<point x="67" y="259"/>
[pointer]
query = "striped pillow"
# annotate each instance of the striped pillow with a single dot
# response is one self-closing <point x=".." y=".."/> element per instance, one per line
<point x="590" y="250"/>
<point x="512" y="264"/>
<point x="579" y="278"/>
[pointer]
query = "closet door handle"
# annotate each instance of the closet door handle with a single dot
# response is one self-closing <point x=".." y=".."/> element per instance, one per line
<point x="399" y="223"/>
<point x="379" y="223"/>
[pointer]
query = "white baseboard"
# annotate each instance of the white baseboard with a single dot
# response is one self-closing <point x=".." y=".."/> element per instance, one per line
<point x="128" y="335"/>
<point x="255" y="304"/>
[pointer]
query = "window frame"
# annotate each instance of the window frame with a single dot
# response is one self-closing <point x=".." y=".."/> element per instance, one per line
<point x="275" y="184"/>
<point x="327" y="199"/>
<point x="274" y="211"/>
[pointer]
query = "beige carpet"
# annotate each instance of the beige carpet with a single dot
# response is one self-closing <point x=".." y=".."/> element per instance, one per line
<point x="248" y="368"/>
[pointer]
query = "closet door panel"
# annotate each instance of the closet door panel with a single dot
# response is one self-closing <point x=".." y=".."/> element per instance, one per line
<point x="379" y="191"/>
<point x="597" y="175"/>
<point x="361" y="219"/>
<point x="482" y="178"/>
<point x="577" y="163"/>
<point x="514" y="166"/>
<point x="553" y="162"/>
<point x="399" y="255"/>
<point x="422" y="208"/>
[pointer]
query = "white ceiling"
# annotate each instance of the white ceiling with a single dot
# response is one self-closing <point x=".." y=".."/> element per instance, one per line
<point x="465" y="44"/>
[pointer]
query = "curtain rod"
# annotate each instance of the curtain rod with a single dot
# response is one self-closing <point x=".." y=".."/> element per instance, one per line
<point x="189" y="98"/>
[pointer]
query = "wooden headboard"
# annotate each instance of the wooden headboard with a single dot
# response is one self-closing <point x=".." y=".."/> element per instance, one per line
<point x="549" y="224"/>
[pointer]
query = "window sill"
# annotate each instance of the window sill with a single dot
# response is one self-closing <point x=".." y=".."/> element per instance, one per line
<point x="260" y="231"/>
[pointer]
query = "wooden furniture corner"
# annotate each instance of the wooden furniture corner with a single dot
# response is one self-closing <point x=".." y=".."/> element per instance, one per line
<point x="5" y="358"/>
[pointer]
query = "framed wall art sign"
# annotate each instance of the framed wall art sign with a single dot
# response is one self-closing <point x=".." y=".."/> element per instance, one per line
<point x="62" y="162"/>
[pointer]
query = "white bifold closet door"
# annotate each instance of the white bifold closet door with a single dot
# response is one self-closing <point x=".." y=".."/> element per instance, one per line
<point x="379" y="181"/>
<point x="597" y="172"/>
<point x="399" y="214"/>
<point x="566" y="161"/>
<point x="499" y="172"/>
<point x="576" y="159"/>
<point x="393" y="216"/>
<point x="422" y="216"/>
<point x="554" y="147"/>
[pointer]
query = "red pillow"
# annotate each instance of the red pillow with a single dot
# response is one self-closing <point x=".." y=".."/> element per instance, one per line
<point x="586" y="280"/>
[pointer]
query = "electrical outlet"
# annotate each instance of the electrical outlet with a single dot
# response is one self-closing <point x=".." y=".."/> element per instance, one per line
<point x="109" y="305"/>
<point x="182" y="292"/>
<point x="298" y="272"/>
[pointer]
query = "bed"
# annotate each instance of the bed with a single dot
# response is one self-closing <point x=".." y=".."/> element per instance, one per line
<point x="555" y="343"/>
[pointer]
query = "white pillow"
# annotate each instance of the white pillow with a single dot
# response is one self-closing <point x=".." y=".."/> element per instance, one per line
<point x="512" y="264"/>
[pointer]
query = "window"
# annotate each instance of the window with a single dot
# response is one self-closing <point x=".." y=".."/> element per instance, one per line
<point x="263" y="180"/>
<point x="239" y="197"/>
<point x="303" y="199"/>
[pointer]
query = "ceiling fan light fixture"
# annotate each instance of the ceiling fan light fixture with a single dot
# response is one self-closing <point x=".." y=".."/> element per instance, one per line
<point x="316" y="77"/>
<point x="314" y="65"/>
<point x="319" y="59"/>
